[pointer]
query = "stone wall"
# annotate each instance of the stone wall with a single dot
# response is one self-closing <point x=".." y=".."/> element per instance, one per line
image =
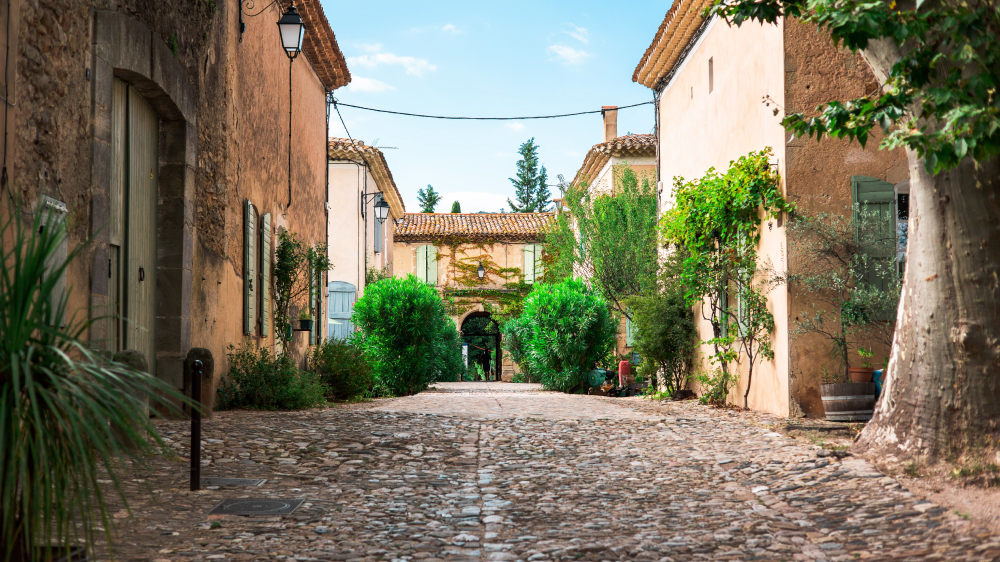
<point x="223" y="105"/>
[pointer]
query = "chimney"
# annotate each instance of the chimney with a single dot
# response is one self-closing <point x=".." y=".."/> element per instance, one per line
<point x="610" y="114"/>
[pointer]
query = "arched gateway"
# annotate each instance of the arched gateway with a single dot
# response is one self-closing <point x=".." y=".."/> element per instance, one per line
<point x="482" y="264"/>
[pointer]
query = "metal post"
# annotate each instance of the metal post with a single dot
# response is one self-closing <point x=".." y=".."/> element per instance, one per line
<point x="196" y="367"/>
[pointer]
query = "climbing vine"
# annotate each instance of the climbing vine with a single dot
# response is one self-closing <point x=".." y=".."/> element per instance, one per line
<point x="717" y="220"/>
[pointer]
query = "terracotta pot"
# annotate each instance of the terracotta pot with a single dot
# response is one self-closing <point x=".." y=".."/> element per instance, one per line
<point x="861" y="374"/>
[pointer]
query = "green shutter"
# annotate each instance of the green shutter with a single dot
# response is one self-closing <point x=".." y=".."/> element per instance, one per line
<point x="539" y="266"/>
<point x="432" y="265"/>
<point x="312" y="302"/>
<point x="264" y="283"/>
<point x="422" y="263"/>
<point x="878" y="196"/>
<point x="629" y="332"/>
<point x="529" y="264"/>
<point x="249" y="269"/>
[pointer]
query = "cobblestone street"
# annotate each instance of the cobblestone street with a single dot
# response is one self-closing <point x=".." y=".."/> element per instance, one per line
<point x="498" y="472"/>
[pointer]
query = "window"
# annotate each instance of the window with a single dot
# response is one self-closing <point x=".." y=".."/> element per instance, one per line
<point x="427" y="267"/>
<point x="533" y="268"/>
<point x="711" y="75"/>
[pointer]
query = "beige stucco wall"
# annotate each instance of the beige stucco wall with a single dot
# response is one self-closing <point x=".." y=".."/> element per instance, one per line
<point x="352" y="237"/>
<point x="641" y="165"/>
<point x="701" y="129"/>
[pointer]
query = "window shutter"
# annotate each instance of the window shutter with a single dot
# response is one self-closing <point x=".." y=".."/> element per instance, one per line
<point x="379" y="234"/>
<point x="529" y="264"/>
<point x="422" y="263"/>
<point x="432" y="265"/>
<point x="312" y="302"/>
<point x="264" y="284"/>
<point x="54" y="218"/>
<point x="539" y="266"/>
<point x="249" y="269"/>
<point x="876" y="196"/>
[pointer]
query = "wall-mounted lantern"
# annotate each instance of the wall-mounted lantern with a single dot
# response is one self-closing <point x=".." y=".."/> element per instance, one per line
<point x="381" y="209"/>
<point x="292" y="32"/>
<point x="481" y="272"/>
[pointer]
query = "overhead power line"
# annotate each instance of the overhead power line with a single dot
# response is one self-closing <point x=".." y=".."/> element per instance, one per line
<point x="336" y="103"/>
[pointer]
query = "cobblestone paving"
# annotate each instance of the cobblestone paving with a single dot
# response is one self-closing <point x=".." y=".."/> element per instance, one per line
<point x="533" y="476"/>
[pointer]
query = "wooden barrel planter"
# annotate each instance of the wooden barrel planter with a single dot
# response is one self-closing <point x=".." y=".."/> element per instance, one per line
<point x="848" y="401"/>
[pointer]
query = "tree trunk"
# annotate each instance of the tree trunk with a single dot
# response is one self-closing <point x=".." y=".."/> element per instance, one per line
<point x="941" y="399"/>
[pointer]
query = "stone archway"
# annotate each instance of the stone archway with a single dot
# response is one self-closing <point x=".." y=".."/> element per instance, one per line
<point x="126" y="49"/>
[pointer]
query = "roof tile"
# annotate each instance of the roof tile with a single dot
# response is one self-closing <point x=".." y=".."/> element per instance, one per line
<point x="479" y="227"/>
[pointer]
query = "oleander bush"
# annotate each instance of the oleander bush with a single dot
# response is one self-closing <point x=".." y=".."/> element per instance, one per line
<point x="261" y="380"/>
<point x="571" y="330"/>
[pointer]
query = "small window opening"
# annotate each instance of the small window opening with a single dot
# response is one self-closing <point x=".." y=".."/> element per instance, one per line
<point x="692" y="92"/>
<point x="711" y="75"/>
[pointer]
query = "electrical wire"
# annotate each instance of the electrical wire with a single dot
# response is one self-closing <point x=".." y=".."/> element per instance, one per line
<point x="338" y="103"/>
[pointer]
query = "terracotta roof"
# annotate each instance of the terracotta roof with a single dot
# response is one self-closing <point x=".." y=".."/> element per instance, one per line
<point x="621" y="147"/>
<point x="320" y="45"/>
<point x="344" y="149"/>
<point x="678" y="27"/>
<point x="479" y="227"/>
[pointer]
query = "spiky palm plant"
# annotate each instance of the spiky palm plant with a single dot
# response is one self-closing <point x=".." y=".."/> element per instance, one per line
<point x="69" y="416"/>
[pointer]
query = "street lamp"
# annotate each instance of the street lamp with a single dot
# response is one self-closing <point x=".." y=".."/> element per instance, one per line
<point x="481" y="272"/>
<point x="292" y="30"/>
<point x="381" y="209"/>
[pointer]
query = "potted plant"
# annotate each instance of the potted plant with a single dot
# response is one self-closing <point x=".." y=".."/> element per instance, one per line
<point x="305" y="320"/>
<point x="865" y="372"/>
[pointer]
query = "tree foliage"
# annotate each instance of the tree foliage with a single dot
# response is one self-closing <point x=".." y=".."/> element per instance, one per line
<point x="570" y="329"/>
<point x="716" y="219"/>
<point x="261" y="380"/>
<point x="530" y="187"/>
<point x="428" y="199"/>
<point x="940" y="98"/>
<point x="406" y="335"/>
<point x="609" y="239"/>
<point x="456" y="207"/>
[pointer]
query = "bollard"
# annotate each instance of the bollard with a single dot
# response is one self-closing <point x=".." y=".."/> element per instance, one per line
<point x="196" y="426"/>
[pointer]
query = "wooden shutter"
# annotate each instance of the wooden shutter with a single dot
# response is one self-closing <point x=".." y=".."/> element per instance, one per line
<point x="422" y="263"/>
<point x="264" y="283"/>
<point x="341" y="304"/>
<point x="529" y="264"/>
<point x="876" y="196"/>
<point x="379" y="235"/>
<point x="539" y="266"/>
<point x="54" y="222"/>
<point x="249" y="269"/>
<point x="629" y="332"/>
<point x="432" y="265"/>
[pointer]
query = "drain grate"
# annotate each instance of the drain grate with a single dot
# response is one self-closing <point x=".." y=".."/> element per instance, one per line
<point x="256" y="507"/>
<point x="233" y="481"/>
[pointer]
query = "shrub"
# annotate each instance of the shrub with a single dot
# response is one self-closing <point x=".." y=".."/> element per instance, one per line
<point x="571" y="330"/>
<point x="451" y="363"/>
<point x="715" y="386"/>
<point x="343" y="369"/>
<point x="516" y="334"/>
<point x="261" y="380"/>
<point x="405" y="334"/>
<point x="665" y="333"/>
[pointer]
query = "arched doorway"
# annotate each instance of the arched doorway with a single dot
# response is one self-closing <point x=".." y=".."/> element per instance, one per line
<point x="482" y="333"/>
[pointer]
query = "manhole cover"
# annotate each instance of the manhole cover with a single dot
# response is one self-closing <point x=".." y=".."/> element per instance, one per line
<point x="232" y="481"/>
<point x="256" y="507"/>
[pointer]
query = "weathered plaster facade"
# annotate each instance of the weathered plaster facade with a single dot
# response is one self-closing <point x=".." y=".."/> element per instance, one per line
<point x="716" y="103"/>
<point x="222" y="105"/>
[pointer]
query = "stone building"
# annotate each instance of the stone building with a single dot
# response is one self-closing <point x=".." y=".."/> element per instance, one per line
<point x="361" y="237"/>
<point x="180" y="140"/>
<point x="717" y="89"/>
<point x="637" y="152"/>
<point x="447" y="250"/>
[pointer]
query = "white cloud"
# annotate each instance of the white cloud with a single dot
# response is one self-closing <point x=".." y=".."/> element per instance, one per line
<point x="568" y="55"/>
<point x="413" y="65"/>
<point x="579" y="33"/>
<point x="449" y="28"/>
<point x="515" y="126"/>
<point x="371" y="47"/>
<point x="368" y="85"/>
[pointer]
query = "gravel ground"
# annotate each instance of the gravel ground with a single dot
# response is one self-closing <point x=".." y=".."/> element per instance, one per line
<point x="505" y="472"/>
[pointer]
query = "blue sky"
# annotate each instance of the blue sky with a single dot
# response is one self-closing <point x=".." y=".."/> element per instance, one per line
<point x="496" y="59"/>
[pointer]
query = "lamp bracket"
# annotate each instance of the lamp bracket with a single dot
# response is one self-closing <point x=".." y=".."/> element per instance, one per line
<point x="246" y="9"/>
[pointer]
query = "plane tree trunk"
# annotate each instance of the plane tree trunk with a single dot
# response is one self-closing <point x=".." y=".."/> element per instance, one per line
<point x="941" y="400"/>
